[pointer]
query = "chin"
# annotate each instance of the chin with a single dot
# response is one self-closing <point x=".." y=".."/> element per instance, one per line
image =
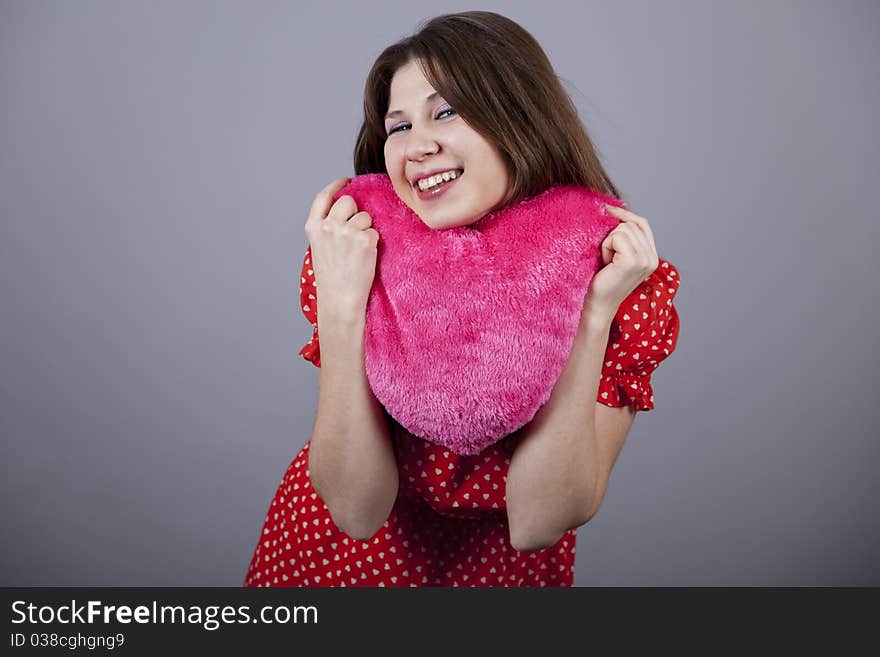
<point x="441" y="223"/>
<point x="448" y="218"/>
<point x="440" y="218"/>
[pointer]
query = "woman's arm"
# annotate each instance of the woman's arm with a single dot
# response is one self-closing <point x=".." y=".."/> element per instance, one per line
<point x="559" y="471"/>
<point x="351" y="458"/>
<point x="560" y="468"/>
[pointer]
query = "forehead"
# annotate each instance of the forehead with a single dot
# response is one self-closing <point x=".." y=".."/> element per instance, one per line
<point x="409" y="82"/>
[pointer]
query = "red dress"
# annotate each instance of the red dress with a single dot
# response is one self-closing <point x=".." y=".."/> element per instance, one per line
<point x="448" y="526"/>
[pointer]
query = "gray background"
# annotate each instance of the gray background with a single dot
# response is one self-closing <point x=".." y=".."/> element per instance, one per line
<point x="157" y="163"/>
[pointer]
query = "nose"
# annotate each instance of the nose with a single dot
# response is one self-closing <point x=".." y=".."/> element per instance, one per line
<point x="420" y="143"/>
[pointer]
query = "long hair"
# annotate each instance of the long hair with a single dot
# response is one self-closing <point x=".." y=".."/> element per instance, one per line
<point x="500" y="81"/>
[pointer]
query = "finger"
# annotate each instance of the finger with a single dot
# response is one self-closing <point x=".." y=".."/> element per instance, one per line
<point x="648" y="233"/>
<point x="645" y="256"/>
<point x="373" y="235"/>
<point x="607" y="251"/>
<point x="360" y="221"/>
<point x="324" y="199"/>
<point x="639" y="239"/>
<point x="632" y="217"/>
<point x="617" y="242"/>
<point x="342" y="210"/>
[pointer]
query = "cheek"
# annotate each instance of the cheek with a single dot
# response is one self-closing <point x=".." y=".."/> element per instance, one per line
<point x="495" y="170"/>
<point x="395" y="166"/>
<point x="393" y="149"/>
<point x="387" y="154"/>
<point x="395" y="162"/>
<point x="488" y="172"/>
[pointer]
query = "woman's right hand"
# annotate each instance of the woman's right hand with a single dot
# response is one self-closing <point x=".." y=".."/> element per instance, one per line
<point x="344" y="249"/>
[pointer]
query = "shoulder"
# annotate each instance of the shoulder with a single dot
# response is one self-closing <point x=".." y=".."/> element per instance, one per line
<point x="643" y="333"/>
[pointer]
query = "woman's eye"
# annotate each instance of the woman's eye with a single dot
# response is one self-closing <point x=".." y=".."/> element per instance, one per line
<point x="439" y="115"/>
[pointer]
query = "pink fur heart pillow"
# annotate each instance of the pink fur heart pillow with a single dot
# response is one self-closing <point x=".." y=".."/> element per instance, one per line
<point x="469" y="328"/>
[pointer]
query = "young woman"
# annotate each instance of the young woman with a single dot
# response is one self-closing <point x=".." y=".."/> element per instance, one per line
<point x="365" y="503"/>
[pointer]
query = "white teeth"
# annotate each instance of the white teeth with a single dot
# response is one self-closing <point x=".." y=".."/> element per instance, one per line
<point x="427" y="183"/>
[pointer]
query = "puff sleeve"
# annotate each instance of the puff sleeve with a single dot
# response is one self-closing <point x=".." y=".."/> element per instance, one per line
<point x="644" y="332"/>
<point x="309" y="303"/>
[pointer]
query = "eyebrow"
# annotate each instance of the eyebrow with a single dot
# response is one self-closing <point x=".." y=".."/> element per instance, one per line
<point x="428" y="99"/>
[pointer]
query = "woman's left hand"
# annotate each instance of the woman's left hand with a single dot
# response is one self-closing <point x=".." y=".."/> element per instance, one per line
<point x="628" y="256"/>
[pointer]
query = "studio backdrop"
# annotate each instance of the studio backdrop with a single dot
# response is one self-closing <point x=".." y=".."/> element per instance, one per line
<point x="157" y="164"/>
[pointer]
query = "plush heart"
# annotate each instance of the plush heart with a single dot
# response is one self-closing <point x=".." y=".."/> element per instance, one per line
<point x="469" y="328"/>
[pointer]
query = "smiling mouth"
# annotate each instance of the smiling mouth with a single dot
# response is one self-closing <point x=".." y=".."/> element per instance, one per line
<point x="436" y="188"/>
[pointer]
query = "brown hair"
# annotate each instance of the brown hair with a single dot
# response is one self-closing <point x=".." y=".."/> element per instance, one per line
<point x="500" y="81"/>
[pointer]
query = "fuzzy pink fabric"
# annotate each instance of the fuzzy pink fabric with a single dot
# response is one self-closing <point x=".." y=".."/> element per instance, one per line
<point x="469" y="328"/>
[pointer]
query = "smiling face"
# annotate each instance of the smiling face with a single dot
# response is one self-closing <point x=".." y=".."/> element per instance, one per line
<point x="426" y="135"/>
